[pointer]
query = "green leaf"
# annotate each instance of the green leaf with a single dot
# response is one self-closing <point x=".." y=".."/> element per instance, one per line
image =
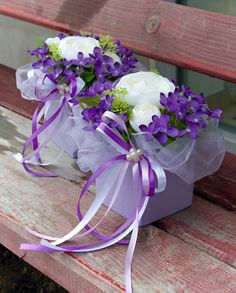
<point x="87" y="76"/>
<point x="90" y="101"/>
<point x="39" y="42"/>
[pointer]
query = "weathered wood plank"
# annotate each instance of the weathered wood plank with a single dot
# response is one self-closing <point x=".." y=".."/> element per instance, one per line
<point x="204" y="225"/>
<point x="207" y="227"/>
<point x="10" y="96"/>
<point x="220" y="187"/>
<point x="12" y="236"/>
<point x="162" y="263"/>
<point x="188" y="37"/>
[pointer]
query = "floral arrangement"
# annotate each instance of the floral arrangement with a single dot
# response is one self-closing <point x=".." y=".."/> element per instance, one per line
<point x="129" y="126"/>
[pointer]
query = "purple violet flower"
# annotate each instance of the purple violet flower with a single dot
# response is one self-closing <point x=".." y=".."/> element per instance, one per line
<point x="196" y="118"/>
<point x="192" y="129"/>
<point x="93" y="115"/>
<point x="160" y="129"/>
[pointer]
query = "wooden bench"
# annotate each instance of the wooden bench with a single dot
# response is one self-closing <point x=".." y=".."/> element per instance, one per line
<point x="191" y="251"/>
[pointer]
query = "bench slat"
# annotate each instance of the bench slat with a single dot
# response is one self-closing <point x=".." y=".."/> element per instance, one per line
<point x="220" y="187"/>
<point x="207" y="227"/>
<point x="203" y="225"/>
<point x="10" y="96"/>
<point x="188" y="37"/>
<point x="161" y="263"/>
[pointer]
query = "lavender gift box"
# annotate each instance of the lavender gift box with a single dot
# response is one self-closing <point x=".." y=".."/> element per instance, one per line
<point x="184" y="162"/>
<point x="177" y="196"/>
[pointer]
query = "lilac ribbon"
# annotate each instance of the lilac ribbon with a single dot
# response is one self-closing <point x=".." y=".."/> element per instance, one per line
<point x="143" y="171"/>
<point x="66" y="94"/>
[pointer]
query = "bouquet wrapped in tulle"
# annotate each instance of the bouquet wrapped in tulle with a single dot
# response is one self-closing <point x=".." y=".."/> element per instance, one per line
<point x="145" y="139"/>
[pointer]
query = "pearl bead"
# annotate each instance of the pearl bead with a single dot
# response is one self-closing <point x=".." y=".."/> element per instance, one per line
<point x="63" y="89"/>
<point x="138" y="152"/>
<point x="128" y="157"/>
<point x="134" y="155"/>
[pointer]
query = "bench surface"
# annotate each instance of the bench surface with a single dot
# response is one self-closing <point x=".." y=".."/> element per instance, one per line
<point x="178" y="254"/>
<point x="173" y="255"/>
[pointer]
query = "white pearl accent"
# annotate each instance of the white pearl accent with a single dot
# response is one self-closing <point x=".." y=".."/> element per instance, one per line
<point x="63" y="89"/>
<point x="134" y="155"/>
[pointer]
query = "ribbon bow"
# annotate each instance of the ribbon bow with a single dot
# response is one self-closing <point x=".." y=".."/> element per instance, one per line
<point x="144" y="170"/>
<point x="66" y="93"/>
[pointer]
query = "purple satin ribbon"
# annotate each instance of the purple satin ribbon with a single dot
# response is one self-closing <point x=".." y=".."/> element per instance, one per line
<point x="56" y="116"/>
<point x="142" y="171"/>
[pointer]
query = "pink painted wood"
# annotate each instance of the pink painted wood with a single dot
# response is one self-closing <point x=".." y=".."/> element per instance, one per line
<point x="192" y="38"/>
<point x="162" y="262"/>
<point x="207" y="227"/>
<point x="220" y="187"/>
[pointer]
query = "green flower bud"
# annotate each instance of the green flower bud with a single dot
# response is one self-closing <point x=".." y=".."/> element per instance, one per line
<point x="54" y="52"/>
<point x="107" y="43"/>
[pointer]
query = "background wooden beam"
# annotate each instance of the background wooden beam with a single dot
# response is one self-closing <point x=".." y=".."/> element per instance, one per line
<point x="188" y="37"/>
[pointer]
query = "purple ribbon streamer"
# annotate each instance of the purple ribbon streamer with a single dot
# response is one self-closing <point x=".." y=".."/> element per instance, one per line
<point x="142" y="170"/>
<point x="33" y="139"/>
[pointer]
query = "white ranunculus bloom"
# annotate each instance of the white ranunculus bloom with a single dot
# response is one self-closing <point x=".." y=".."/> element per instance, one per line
<point x="142" y="114"/>
<point x="145" y="87"/>
<point x="53" y="41"/>
<point x="69" y="47"/>
<point x="114" y="56"/>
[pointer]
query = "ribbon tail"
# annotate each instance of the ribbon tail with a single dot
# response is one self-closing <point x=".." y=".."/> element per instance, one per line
<point x="49" y="247"/>
<point x="37" y="132"/>
<point x="126" y="228"/>
<point x="36" y="118"/>
<point x="160" y="175"/>
<point x="117" y="184"/>
<point x="134" y="236"/>
<point x="130" y="253"/>
<point x="115" y="190"/>
<point x="92" y="209"/>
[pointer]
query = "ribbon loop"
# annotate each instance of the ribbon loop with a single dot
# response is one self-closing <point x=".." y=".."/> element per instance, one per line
<point x="148" y="174"/>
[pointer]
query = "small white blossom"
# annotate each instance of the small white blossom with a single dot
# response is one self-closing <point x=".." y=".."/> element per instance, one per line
<point x="69" y="47"/>
<point x="145" y="87"/>
<point x="142" y="114"/>
<point x="52" y="41"/>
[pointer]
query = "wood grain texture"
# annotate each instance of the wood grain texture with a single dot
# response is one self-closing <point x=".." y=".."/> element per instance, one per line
<point x="220" y="187"/>
<point x="207" y="227"/>
<point x="162" y="262"/>
<point x="188" y="37"/>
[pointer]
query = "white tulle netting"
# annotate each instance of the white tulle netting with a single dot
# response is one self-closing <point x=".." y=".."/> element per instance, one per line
<point x="187" y="158"/>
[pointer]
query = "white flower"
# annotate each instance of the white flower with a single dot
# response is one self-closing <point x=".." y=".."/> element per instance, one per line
<point x="69" y="47"/>
<point x="52" y="41"/>
<point x="142" y="114"/>
<point x="114" y="56"/>
<point x="145" y="87"/>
